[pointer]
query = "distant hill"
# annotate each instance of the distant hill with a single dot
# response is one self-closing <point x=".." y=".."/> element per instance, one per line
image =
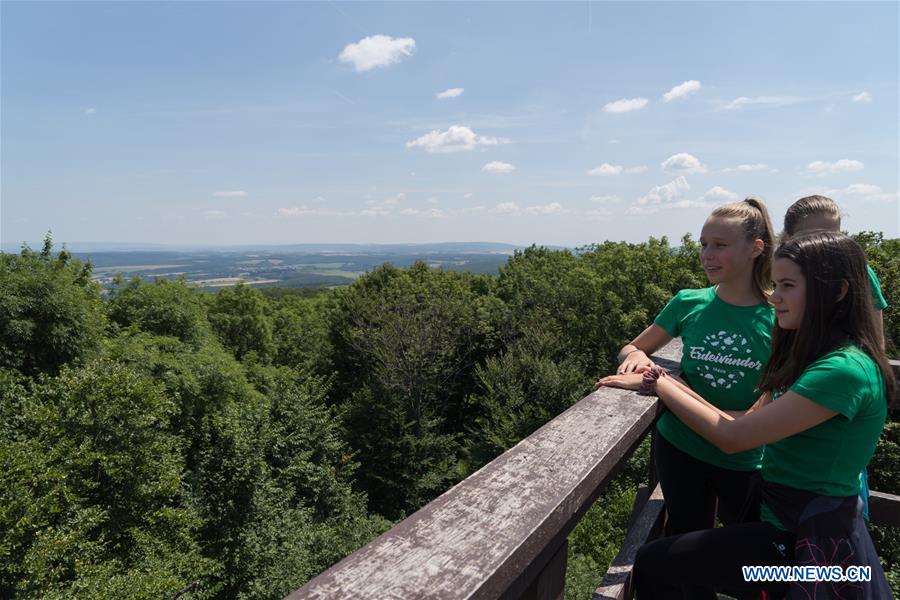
<point x="402" y="249"/>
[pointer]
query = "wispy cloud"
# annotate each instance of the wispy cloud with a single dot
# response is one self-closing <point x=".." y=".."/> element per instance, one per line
<point x="719" y="194"/>
<point x="625" y="105"/>
<point x="496" y="167"/>
<point x="89" y="110"/>
<point x="513" y="209"/>
<point x="862" y="97"/>
<point x="746" y="168"/>
<point x="762" y="102"/>
<point x="605" y="170"/>
<point x="844" y="165"/>
<point x="682" y="90"/>
<point x="377" y="51"/>
<point x="667" y="193"/>
<point x="506" y="208"/>
<point x="456" y="139"/>
<point x="683" y="163"/>
<point x="215" y="215"/>
<point x="451" y="93"/>
<point x="637" y="169"/>
<point x="231" y="194"/>
<point x="606" y="199"/>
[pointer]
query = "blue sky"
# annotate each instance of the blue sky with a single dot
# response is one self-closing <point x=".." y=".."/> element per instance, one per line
<point x="562" y="123"/>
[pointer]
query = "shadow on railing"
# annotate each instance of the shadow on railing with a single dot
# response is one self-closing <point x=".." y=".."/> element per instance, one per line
<point x="502" y="532"/>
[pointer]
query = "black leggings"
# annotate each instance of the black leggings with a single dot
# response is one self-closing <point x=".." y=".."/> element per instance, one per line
<point x="691" y="487"/>
<point x="692" y="565"/>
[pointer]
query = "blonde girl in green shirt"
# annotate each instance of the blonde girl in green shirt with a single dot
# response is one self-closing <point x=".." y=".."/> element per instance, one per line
<point x="726" y="332"/>
<point x="825" y="395"/>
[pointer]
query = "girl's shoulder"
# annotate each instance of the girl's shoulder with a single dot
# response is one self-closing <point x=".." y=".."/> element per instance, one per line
<point x="696" y="295"/>
<point x="849" y="362"/>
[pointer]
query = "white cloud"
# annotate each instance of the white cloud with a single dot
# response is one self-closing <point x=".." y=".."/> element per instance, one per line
<point x="625" y="105"/>
<point x="762" y="101"/>
<point x="90" y="110"/>
<point x="409" y="212"/>
<point x="844" y="165"/>
<point x="215" y="214"/>
<point x="862" y="189"/>
<point x="719" y="194"/>
<point x="613" y="142"/>
<point x="680" y="91"/>
<point x="605" y="170"/>
<point x="683" y="163"/>
<point x="554" y="208"/>
<point x="606" y="199"/>
<point x="667" y="193"/>
<point x="467" y="195"/>
<point x="497" y="167"/>
<point x="862" y="97"/>
<point x="513" y="209"/>
<point x="436" y="213"/>
<point x="377" y="51"/>
<point x="506" y="208"/>
<point x="746" y="168"/>
<point x="231" y="194"/>
<point x="451" y="93"/>
<point x="637" y="169"/>
<point x="457" y="138"/>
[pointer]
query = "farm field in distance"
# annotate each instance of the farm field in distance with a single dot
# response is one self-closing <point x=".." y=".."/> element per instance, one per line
<point x="313" y="265"/>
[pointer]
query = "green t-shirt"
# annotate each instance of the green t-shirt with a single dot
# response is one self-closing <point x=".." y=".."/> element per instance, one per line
<point x="826" y="459"/>
<point x="878" y="300"/>
<point x="725" y="350"/>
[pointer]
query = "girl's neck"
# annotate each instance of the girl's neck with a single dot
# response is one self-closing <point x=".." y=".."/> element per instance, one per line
<point x="738" y="293"/>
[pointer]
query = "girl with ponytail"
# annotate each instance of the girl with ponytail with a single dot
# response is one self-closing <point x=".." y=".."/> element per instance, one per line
<point x="726" y="331"/>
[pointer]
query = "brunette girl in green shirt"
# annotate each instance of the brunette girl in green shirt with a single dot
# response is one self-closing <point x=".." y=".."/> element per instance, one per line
<point x="825" y="394"/>
<point x="814" y="213"/>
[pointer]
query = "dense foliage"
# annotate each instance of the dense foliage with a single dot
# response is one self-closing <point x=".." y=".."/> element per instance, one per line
<point x="158" y="436"/>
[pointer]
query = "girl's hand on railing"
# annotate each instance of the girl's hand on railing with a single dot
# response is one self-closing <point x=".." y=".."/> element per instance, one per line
<point x="633" y="361"/>
<point x="627" y="381"/>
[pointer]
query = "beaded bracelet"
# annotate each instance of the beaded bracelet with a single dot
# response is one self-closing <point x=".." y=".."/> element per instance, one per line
<point x="651" y="376"/>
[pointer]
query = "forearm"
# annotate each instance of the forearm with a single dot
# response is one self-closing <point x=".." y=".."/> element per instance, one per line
<point x="695" y="412"/>
<point x="628" y="349"/>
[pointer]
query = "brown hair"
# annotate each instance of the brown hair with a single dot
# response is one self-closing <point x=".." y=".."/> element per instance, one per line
<point x="827" y="259"/>
<point x="757" y="225"/>
<point x="808" y="207"/>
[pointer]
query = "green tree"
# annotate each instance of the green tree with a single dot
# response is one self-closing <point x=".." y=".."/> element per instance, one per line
<point x="406" y="343"/>
<point x="51" y="312"/>
<point x="238" y="316"/>
<point x="165" y="307"/>
<point x="91" y="489"/>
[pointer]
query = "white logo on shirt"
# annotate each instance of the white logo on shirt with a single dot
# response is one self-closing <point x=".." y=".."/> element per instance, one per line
<point x="724" y="348"/>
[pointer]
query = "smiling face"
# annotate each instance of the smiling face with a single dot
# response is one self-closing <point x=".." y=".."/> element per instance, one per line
<point x="726" y="254"/>
<point x="789" y="297"/>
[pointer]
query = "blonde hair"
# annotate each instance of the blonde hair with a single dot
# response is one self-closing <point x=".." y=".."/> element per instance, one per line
<point x="754" y="219"/>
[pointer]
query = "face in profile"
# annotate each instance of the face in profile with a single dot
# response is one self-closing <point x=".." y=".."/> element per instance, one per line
<point x="789" y="296"/>
<point x="725" y="251"/>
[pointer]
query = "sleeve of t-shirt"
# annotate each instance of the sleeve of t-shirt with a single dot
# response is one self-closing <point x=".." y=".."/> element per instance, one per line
<point x="834" y="381"/>
<point x="669" y="317"/>
<point x="878" y="300"/>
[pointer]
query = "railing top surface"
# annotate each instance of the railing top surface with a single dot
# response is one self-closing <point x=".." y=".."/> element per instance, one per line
<point x="476" y="539"/>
